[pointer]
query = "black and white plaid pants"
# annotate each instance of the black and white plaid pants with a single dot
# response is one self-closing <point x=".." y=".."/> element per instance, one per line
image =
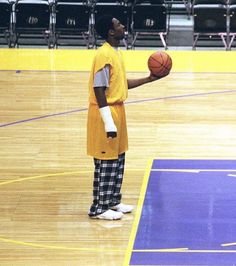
<point x="108" y="177"/>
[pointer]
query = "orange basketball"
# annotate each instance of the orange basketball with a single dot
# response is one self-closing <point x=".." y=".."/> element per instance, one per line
<point x="159" y="64"/>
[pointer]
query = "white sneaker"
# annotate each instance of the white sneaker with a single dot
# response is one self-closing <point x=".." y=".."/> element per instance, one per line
<point x="109" y="215"/>
<point x="123" y="208"/>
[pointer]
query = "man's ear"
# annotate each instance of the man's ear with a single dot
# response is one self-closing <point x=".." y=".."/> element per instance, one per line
<point x="111" y="32"/>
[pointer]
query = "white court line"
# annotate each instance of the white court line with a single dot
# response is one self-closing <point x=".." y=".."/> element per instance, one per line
<point x="194" y="170"/>
<point x="232" y="175"/>
<point x="175" y="170"/>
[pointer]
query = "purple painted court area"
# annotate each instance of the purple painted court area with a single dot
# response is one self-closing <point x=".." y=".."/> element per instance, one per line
<point x="189" y="204"/>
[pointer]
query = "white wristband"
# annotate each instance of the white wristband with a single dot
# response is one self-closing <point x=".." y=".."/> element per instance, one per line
<point x="107" y="119"/>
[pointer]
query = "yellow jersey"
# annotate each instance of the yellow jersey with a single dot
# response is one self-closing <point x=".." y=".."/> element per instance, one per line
<point x="98" y="145"/>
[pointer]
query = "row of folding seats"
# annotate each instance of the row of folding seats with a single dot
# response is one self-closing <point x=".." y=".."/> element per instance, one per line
<point x="52" y="20"/>
<point x="214" y="18"/>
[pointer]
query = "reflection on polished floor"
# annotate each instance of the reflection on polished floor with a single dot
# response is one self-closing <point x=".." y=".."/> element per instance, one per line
<point x="46" y="176"/>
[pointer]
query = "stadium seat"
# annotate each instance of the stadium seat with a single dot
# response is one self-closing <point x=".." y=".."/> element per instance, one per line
<point x="5" y="17"/>
<point x="72" y="23"/>
<point x="210" y="20"/>
<point x="150" y="19"/>
<point x="32" y="21"/>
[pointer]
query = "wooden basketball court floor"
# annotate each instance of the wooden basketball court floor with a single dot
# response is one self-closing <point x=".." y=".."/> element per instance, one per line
<point x="46" y="176"/>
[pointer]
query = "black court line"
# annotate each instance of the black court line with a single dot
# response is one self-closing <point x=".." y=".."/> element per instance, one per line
<point x="127" y="103"/>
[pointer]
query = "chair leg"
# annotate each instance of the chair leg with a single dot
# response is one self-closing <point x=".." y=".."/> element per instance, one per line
<point x="187" y="4"/>
<point x="223" y="40"/>
<point x="128" y="40"/>
<point x="232" y="40"/>
<point x="161" y="34"/>
<point x="195" y="39"/>
<point x="134" y="39"/>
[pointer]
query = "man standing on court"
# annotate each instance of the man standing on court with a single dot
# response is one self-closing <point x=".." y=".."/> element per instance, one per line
<point x="107" y="139"/>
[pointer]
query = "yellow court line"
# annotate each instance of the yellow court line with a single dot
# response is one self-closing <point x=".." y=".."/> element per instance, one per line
<point x="56" y="174"/>
<point x="107" y="250"/>
<point x="138" y="214"/>
<point x="45" y="246"/>
<point x="42" y="176"/>
<point x="30" y="244"/>
<point x="12" y="241"/>
<point x="129" y="249"/>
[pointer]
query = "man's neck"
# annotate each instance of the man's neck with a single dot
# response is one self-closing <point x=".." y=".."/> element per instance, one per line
<point x="114" y="43"/>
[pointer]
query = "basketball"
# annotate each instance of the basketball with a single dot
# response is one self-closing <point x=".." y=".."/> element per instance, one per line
<point x="159" y="64"/>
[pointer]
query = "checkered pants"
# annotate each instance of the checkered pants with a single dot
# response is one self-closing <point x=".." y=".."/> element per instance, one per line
<point x="108" y="177"/>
